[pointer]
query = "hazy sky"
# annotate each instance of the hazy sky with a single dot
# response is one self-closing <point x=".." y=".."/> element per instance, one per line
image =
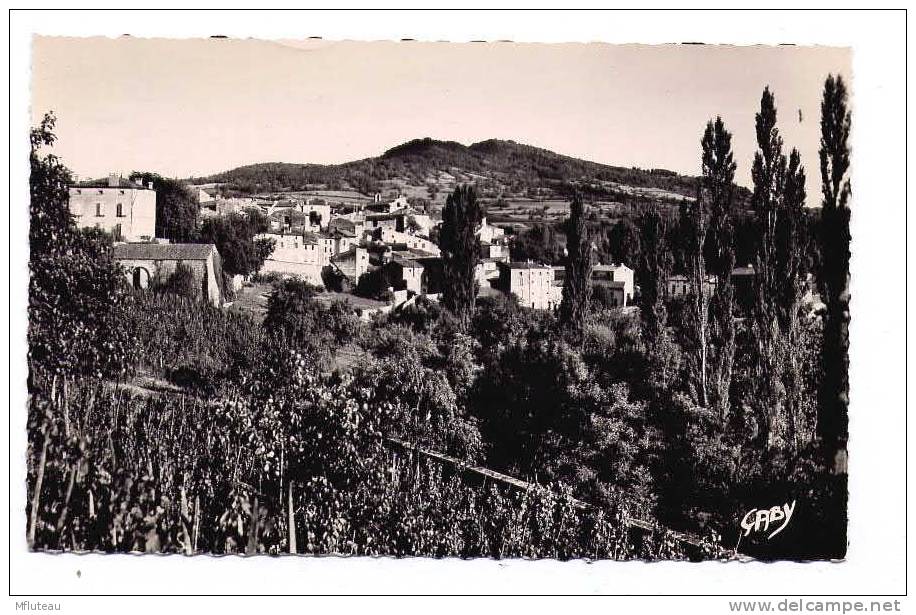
<point x="195" y="107"/>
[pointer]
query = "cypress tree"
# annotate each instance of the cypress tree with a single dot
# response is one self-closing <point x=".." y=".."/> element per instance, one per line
<point x="577" y="288"/>
<point x="460" y="251"/>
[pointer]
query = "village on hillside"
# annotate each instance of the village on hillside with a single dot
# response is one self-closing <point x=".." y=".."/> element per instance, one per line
<point x="337" y="243"/>
<point x="321" y="241"/>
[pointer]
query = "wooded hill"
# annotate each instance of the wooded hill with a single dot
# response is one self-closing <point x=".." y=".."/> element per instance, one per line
<point x="499" y="168"/>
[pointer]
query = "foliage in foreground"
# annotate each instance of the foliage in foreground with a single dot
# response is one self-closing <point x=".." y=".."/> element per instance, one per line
<point x="117" y="472"/>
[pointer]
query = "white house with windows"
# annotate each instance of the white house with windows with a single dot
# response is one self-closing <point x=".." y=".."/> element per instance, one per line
<point x="301" y="255"/>
<point x="125" y="209"/>
<point x="534" y="285"/>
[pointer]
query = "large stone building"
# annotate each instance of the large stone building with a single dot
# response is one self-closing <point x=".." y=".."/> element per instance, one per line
<point x="149" y="263"/>
<point x="306" y="248"/>
<point x="534" y="285"/>
<point x="125" y="209"/>
<point x="300" y="255"/>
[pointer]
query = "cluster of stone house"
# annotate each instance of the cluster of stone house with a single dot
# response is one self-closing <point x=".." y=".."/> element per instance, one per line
<point x="311" y="237"/>
<point x="393" y="236"/>
<point x="127" y="210"/>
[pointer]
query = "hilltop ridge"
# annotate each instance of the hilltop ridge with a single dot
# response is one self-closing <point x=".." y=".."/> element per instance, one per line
<point x="500" y="168"/>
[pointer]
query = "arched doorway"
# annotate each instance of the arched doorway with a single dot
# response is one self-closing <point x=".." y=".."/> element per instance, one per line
<point x="141" y="278"/>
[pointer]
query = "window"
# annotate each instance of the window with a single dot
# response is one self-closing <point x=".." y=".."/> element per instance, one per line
<point x="120" y="210"/>
<point x="98" y="210"/>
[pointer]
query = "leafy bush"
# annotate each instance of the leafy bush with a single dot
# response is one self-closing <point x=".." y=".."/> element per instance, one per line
<point x="180" y="282"/>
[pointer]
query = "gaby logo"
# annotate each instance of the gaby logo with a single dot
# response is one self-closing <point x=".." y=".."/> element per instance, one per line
<point x="759" y="520"/>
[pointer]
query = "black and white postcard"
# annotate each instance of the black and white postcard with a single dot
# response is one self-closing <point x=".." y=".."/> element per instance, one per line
<point x="501" y="301"/>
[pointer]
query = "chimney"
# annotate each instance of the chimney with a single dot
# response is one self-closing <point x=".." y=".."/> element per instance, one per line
<point x="150" y="185"/>
<point x="114" y="180"/>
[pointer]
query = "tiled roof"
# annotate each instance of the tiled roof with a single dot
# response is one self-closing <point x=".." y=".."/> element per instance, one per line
<point x="406" y="264"/>
<point x="517" y="265"/>
<point x="411" y="253"/>
<point x="163" y="251"/>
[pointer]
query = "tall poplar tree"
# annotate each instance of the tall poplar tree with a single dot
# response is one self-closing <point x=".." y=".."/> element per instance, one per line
<point x="460" y="251"/>
<point x="694" y="224"/>
<point x="832" y="420"/>
<point x="577" y="287"/>
<point x="654" y="267"/>
<point x="781" y="270"/>
<point x="768" y="174"/>
<point x="718" y="186"/>
<point x="791" y="261"/>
